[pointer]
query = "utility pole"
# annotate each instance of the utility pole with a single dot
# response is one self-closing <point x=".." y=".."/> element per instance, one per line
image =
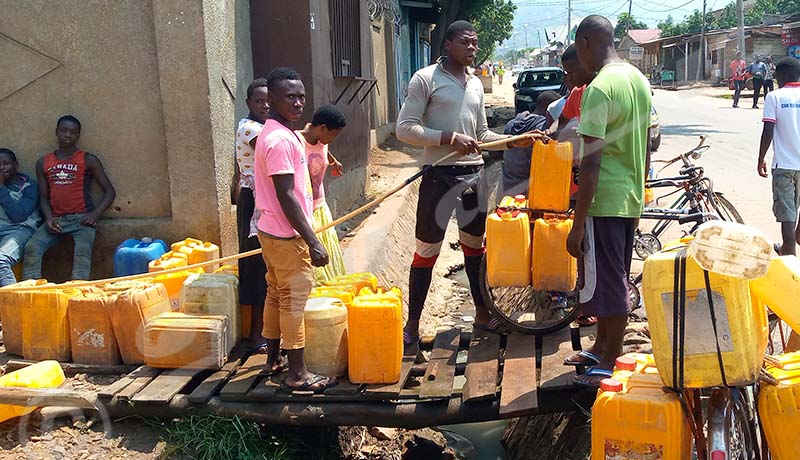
<point x="701" y="59"/>
<point x="628" y="26"/>
<point x="525" y="26"/>
<point x="740" y="19"/>
<point x="569" y="22"/>
<point x="539" y="33"/>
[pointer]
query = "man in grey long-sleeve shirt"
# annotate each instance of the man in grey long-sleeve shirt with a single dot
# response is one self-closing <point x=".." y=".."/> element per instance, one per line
<point x="444" y="112"/>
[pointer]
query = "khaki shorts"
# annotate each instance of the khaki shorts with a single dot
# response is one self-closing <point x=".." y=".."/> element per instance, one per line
<point x="785" y="194"/>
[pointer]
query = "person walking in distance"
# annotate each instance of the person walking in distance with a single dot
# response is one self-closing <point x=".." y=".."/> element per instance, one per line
<point x="614" y="126"/>
<point x="782" y="131"/>
<point x="444" y="112"/>
<point x="759" y="71"/>
<point x="738" y="70"/>
<point x="769" y="78"/>
<point x="284" y="205"/>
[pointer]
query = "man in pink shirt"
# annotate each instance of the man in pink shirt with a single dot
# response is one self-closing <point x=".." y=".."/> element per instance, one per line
<point x="290" y="247"/>
<point x="738" y="70"/>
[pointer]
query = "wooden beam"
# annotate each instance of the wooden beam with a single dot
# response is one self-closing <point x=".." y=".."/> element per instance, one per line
<point x="142" y="379"/>
<point x="518" y="393"/>
<point x="438" y="380"/>
<point x="380" y="391"/>
<point x="166" y="385"/>
<point x="245" y="377"/>
<point x="77" y="368"/>
<point x="41" y="397"/>
<point x="213" y="383"/>
<point x="482" y="366"/>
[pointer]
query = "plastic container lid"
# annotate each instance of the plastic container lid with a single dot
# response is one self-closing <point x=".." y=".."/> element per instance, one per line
<point x="610" y="385"/>
<point x="625" y="363"/>
<point x="520" y="198"/>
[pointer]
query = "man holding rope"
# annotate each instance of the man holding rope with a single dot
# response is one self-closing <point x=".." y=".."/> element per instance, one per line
<point x="443" y="112"/>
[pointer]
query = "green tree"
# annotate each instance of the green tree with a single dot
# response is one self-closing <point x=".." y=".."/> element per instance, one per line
<point x="727" y="18"/>
<point x="453" y="10"/>
<point x="626" y="22"/>
<point x="493" y="24"/>
<point x="668" y="27"/>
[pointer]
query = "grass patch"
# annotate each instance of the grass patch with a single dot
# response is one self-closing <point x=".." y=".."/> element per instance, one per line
<point x="223" y="438"/>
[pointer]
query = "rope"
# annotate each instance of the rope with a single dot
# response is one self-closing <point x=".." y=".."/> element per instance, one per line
<point x="255" y="252"/>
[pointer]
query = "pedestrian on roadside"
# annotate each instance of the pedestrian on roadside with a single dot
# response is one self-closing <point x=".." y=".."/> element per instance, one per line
<point x="284" y="204"/>
<point x="614" y="127"/>
<point x="443" y="112"/>
<point x="500" y="72"/>
<point x="738" y="71"/>
<point x="252" y="270"/>
<point x="782" y="125"/>
<point x="759" y="72"/>
<point x="769" y="77"/>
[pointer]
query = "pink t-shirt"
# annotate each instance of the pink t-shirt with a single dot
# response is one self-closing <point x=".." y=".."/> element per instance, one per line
<point x="317" y="155"/>
<point x="279" y="152"/>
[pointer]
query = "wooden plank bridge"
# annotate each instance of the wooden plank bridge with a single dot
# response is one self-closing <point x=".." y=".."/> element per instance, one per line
<point x="469" y="377"/>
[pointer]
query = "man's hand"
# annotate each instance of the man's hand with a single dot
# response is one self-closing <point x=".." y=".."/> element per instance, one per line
<point x="762" y="168"/>
<point x="337" y="169"/>
<point x="53" y="226"/>
<point x="465" y="144"/>
<point x="89" y="219"/>
<point x="575" y="241"/>
<point x="319" y="256"/>
<point x="527" y="142"/>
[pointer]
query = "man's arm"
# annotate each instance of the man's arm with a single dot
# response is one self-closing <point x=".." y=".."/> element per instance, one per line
<point x="96" y="167"/>
<point x="766" y="139"/>
<point x="19" y="211"/>
<point x="284" y="189"/>
<point x="44" y="199"/>
<point x="589" y="173"/>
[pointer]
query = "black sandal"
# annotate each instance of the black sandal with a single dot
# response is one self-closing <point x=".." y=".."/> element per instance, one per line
<point x="281" y="364"/>
<point x="316" y="383"/>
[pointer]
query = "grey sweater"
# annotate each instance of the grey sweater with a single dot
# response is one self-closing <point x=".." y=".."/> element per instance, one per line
<point x="438" y="102"/>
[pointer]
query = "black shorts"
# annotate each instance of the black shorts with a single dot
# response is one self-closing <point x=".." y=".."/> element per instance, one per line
<point x="252" y="270"/>
<point x="445" y="189"/>
<point x="605" y="265"/>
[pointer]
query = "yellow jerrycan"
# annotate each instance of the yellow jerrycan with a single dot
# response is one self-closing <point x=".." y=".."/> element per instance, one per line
<point x="171" y="259"/>
<point x="91" y="334"/>
<point x="359" y="281"/>
<point x="732" y="249"/>
<point x="11" y="305"/>
<point x="178" y="340"/>
<point x="375" y="338"/>
<point x="779" y="412"/>
<point x="198" y="251"/>
<point x="326" y="336"/>
<point x="508" y="244"/>
<point x="779" y="289"/>
<point x="640" y="421"/>
<point x="45" y="325"/>
<point x="44" y="374"/>
<point x="553" y="268"/>
<point x="214" y="294"/>
<point x="132" y="310"/>
<point x="740" y="322"/>
<point x="551" y="174"/>
<point x="345" y="295"/>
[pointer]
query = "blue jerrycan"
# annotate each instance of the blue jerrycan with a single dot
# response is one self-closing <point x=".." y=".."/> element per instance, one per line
<point x="132" y="256"/>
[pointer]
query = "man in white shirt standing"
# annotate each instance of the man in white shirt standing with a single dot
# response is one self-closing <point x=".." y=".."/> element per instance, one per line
<point x="782" y="125"/>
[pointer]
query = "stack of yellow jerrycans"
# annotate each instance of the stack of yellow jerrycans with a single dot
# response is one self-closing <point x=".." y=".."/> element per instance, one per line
<point x="519" y="256"/>
<point x="697" y="292"/>
<point x="354" y="326"/>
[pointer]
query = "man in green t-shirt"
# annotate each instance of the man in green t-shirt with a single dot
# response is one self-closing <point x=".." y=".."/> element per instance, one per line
<point x="615" y="118"/>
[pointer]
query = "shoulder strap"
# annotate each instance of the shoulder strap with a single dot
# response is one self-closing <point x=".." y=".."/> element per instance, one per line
<point x="714" y="327"/>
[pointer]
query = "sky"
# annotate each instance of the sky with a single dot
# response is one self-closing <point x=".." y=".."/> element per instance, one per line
<point x="549" y="14"/>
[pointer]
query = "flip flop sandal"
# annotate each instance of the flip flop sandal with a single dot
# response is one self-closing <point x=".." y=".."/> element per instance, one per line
<point x="316" y="383"/>
<point x="280" y="366"/>
<point x="592" y="372"/>
<point x="259" y="350"/>
<point x="590" y="359"/>
<point x="410" y="344"/>
<point x="586" y="321"/>
<point x="494" y="325"/>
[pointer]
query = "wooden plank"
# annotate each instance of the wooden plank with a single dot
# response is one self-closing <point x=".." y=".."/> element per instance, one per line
<point x="245" y="377"/>
<point x="117" y="386"/>
<point x="142" y="379"/>
<point x="438" y="379"/>
<point x="390" y="391"/>
<point x="77" y="368"/>
<point x="213" y="383"/>
<point x="42" y="397"/>
<point x="518" y="391"/>
<point x="557" y="347"/>
<point x="482" y="366"/>
<point x="265" y="389"/>
<point x="166" y="385"/>
<point x="344" y="388"/>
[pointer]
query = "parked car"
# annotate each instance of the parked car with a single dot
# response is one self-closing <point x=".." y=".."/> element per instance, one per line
<point x="533" y="82"/>
<point x="655" y="130"/>
<point x="516" y="69"/>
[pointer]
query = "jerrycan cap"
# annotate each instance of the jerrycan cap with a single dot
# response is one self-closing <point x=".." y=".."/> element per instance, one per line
<point x="207" y="244"/>
<point x="146" y="240"/>
<point x="611" y="385"/>
<point x="520" y="198"/>
<point x="625" y="363"/>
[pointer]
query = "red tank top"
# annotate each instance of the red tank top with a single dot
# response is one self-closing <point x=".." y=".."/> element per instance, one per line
<point x="69" y="182"/>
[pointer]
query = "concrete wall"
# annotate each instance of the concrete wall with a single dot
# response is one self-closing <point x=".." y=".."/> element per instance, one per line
<point x="308" y="51"/>
<point x="154" y="84"/>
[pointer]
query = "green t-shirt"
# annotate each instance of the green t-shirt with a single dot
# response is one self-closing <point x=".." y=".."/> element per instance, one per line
<point x="616" y="108"/>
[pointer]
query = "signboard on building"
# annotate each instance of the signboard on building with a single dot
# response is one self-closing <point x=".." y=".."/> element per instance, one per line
<point x="790" y="34"/>
<point x="636" y="53"/>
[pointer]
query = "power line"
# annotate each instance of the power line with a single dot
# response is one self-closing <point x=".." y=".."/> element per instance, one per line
<point x="664" y="11"/>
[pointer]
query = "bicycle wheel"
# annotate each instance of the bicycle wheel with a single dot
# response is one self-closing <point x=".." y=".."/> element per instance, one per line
<point x="526" y="310"/>
<point x="731" y="425"/>
<point x="725" y="209"/>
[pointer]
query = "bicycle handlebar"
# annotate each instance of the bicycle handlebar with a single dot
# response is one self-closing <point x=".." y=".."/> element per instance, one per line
<point x="695" y="153"/>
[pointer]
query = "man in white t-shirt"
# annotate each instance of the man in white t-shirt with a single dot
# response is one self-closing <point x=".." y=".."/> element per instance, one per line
<point x="782" y="124"/>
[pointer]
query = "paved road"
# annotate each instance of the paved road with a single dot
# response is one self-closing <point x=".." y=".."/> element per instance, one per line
<point x="734" y="136"/>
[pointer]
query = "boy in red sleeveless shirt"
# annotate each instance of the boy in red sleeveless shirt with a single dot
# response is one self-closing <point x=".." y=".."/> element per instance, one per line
<point x="65" y="178"/>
